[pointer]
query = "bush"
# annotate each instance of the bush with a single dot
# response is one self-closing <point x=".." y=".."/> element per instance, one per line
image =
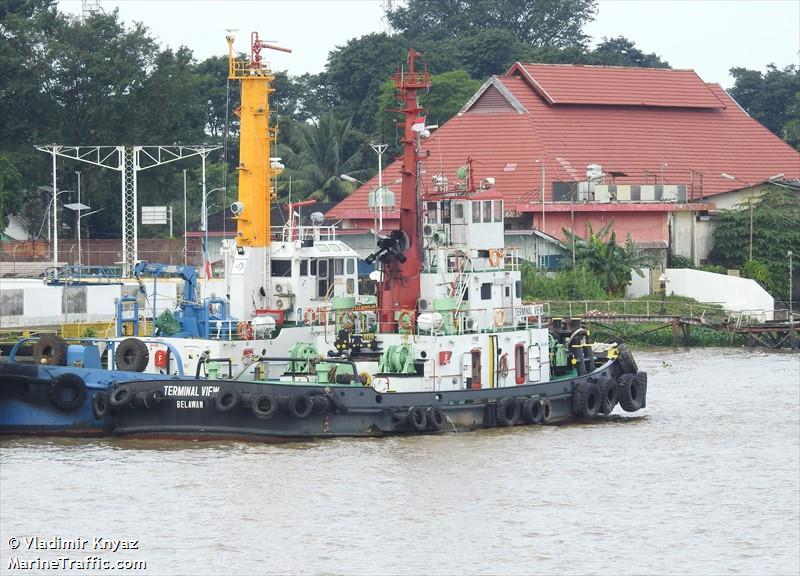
<point x="573" y="284"/>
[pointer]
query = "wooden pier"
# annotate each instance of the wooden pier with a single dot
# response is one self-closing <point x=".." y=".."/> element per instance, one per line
<point x="757" y="326"/>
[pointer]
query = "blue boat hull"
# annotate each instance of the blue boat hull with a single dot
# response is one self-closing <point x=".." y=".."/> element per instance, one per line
<point x="35" y="401"/>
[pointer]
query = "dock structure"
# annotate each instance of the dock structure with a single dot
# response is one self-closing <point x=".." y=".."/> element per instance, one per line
<point x="759" y="327"/>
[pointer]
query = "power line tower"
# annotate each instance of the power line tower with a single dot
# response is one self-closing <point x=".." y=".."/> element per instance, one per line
<point x="388" y="6"/>
<point x="89" y="7"/>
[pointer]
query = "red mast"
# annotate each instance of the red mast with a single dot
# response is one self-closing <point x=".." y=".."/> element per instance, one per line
<point x="400" y="287"/>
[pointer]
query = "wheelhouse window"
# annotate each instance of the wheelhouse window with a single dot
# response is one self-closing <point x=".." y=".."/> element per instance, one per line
<point x="351" y="266"/>
<point x="498" y="210"/>
<point x="476" y="212"/>
<point x="486" y="291"/>
<point x="487" y="210"/>
<point x="281" y="268"/>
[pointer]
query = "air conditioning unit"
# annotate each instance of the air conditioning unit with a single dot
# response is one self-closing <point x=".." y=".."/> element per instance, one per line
<point x="428" y="230"/>
<point x="469" y="324"/>
<point x="424" y="305"/>
<point x="283" y="287"/>
<point x="283" y="303"/>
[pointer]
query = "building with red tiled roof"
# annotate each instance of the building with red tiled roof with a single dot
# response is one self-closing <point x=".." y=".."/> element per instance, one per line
<point x="667" y="150"/>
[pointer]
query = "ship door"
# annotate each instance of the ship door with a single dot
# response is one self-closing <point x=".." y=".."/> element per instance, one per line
<point x="534" y="363"/>
<point x="471" y="369"/>
<point x="508" y="303"/>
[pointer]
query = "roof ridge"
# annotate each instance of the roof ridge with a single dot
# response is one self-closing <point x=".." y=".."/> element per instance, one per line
<point x="565" y="65"/>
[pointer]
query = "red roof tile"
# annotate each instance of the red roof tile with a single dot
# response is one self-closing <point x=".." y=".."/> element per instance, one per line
<point x="672" y="143"/>
<point x="612" y="85"/>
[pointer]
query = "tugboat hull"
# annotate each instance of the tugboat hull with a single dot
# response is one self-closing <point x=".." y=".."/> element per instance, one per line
<point x="271" y="411"/>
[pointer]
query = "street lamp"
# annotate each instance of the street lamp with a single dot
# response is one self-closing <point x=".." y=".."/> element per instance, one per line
<point x="78" y="208"/>
<point x="750" y="202"/>
<point x="791" y="309"/>
<point x="206" y="263"/>
<point x="54" y="237"/>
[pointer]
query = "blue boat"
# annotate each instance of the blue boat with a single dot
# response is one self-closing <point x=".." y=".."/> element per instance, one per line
<point x="66" y="389"/>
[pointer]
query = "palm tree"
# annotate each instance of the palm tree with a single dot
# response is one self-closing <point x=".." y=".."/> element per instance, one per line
<point x="609" y="261"/>
<point x="315" y="159"/>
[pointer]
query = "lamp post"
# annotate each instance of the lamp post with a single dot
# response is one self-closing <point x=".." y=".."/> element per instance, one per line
<point x="542" y="169"/>
<point x="791" y="309"/>
<point x="749" y="201"/>
<point x="205" y="227"/>
<point x="185" y="246"/>
<point x="379" y="150"/>
<point x="78" y="208"/>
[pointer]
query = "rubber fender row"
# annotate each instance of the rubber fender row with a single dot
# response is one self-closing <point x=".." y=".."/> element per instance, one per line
<point x="265" y="406"/>
<point x="509" y="411"/>
<point x="421" y="418"/>
<point x="592" y="398"/>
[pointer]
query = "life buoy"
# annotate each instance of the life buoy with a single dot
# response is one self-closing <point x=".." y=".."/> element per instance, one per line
<point x="300" y="406"/>
<point x="244" y="330"/>
<point x="132" y="355"/>
<point x="532" y="411"/>
<point x="502" y="366"/>
<point x="227" y="399"/>
<point x="406" y="319"/>
<point x="67" y="392"/>
<point x="499" y="316"/>
<point x="120" y="396"/>
<point x="51" y="350"/>
<point x="100" y="405"/>
<point x="586" y="399"/>
<point x="507" y="411"/>
<point x="495" y="257"/>
<point x="417" y="418"/>
<point x="264" y="406"/>
<point x="435" y="417"/>
<point x="310" y="316"/>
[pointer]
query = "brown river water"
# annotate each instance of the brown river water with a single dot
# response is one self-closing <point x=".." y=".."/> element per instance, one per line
<point x="706" y="480"/>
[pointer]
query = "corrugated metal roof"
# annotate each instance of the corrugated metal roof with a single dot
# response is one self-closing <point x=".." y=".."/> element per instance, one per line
<point x="672" y="144"/>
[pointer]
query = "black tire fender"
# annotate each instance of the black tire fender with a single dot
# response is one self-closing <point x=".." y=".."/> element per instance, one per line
<point x="642" y="378"/>
<point x="507" y="411"/>
<point x="417" y="418"/>
<point x="609" y="395"/>
<point x="51" y="350"/>
<point x="227" y="399"/>
<point x="264" y="406"/>
<point x="630" y="391"/>
<point x="120" y="396"/>
<point x="132" y="355"/>
<point x="435" y="417"/>
<point x="67" y="392"/>
<point x="586" y="400"/>
<point x="100" y="405"/>
<point x="533" y="411"/>
<point x="301" y="405"/>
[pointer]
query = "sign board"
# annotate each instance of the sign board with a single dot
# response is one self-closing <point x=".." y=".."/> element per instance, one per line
<point x="528" y="310"/>
<point x="154" y="214"/>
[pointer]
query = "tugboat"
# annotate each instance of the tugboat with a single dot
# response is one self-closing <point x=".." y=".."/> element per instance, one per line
<point x="448" y="347"/>
<point x="278" y="280"/>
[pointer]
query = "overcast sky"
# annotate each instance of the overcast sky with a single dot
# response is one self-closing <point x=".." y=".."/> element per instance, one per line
<point x="709" y="36"/>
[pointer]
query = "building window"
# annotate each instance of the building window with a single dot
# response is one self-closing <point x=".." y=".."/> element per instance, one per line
<point x="486" y="291"/>
<point x="281" y="268"/>
<point x="518" y="289"/>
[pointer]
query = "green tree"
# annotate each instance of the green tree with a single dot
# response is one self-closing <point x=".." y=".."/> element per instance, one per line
<point x="10" y="196"/>
<point x="556" y="23"/>
<point x="620" y="51"/>
<point x="770" y="98"/>
<point x="317" y="154"/>
<point x="776" y="229"/>
<point x="609" y="261"/>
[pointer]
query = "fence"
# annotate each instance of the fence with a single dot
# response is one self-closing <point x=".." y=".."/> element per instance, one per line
<point x="17" y="257"/>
